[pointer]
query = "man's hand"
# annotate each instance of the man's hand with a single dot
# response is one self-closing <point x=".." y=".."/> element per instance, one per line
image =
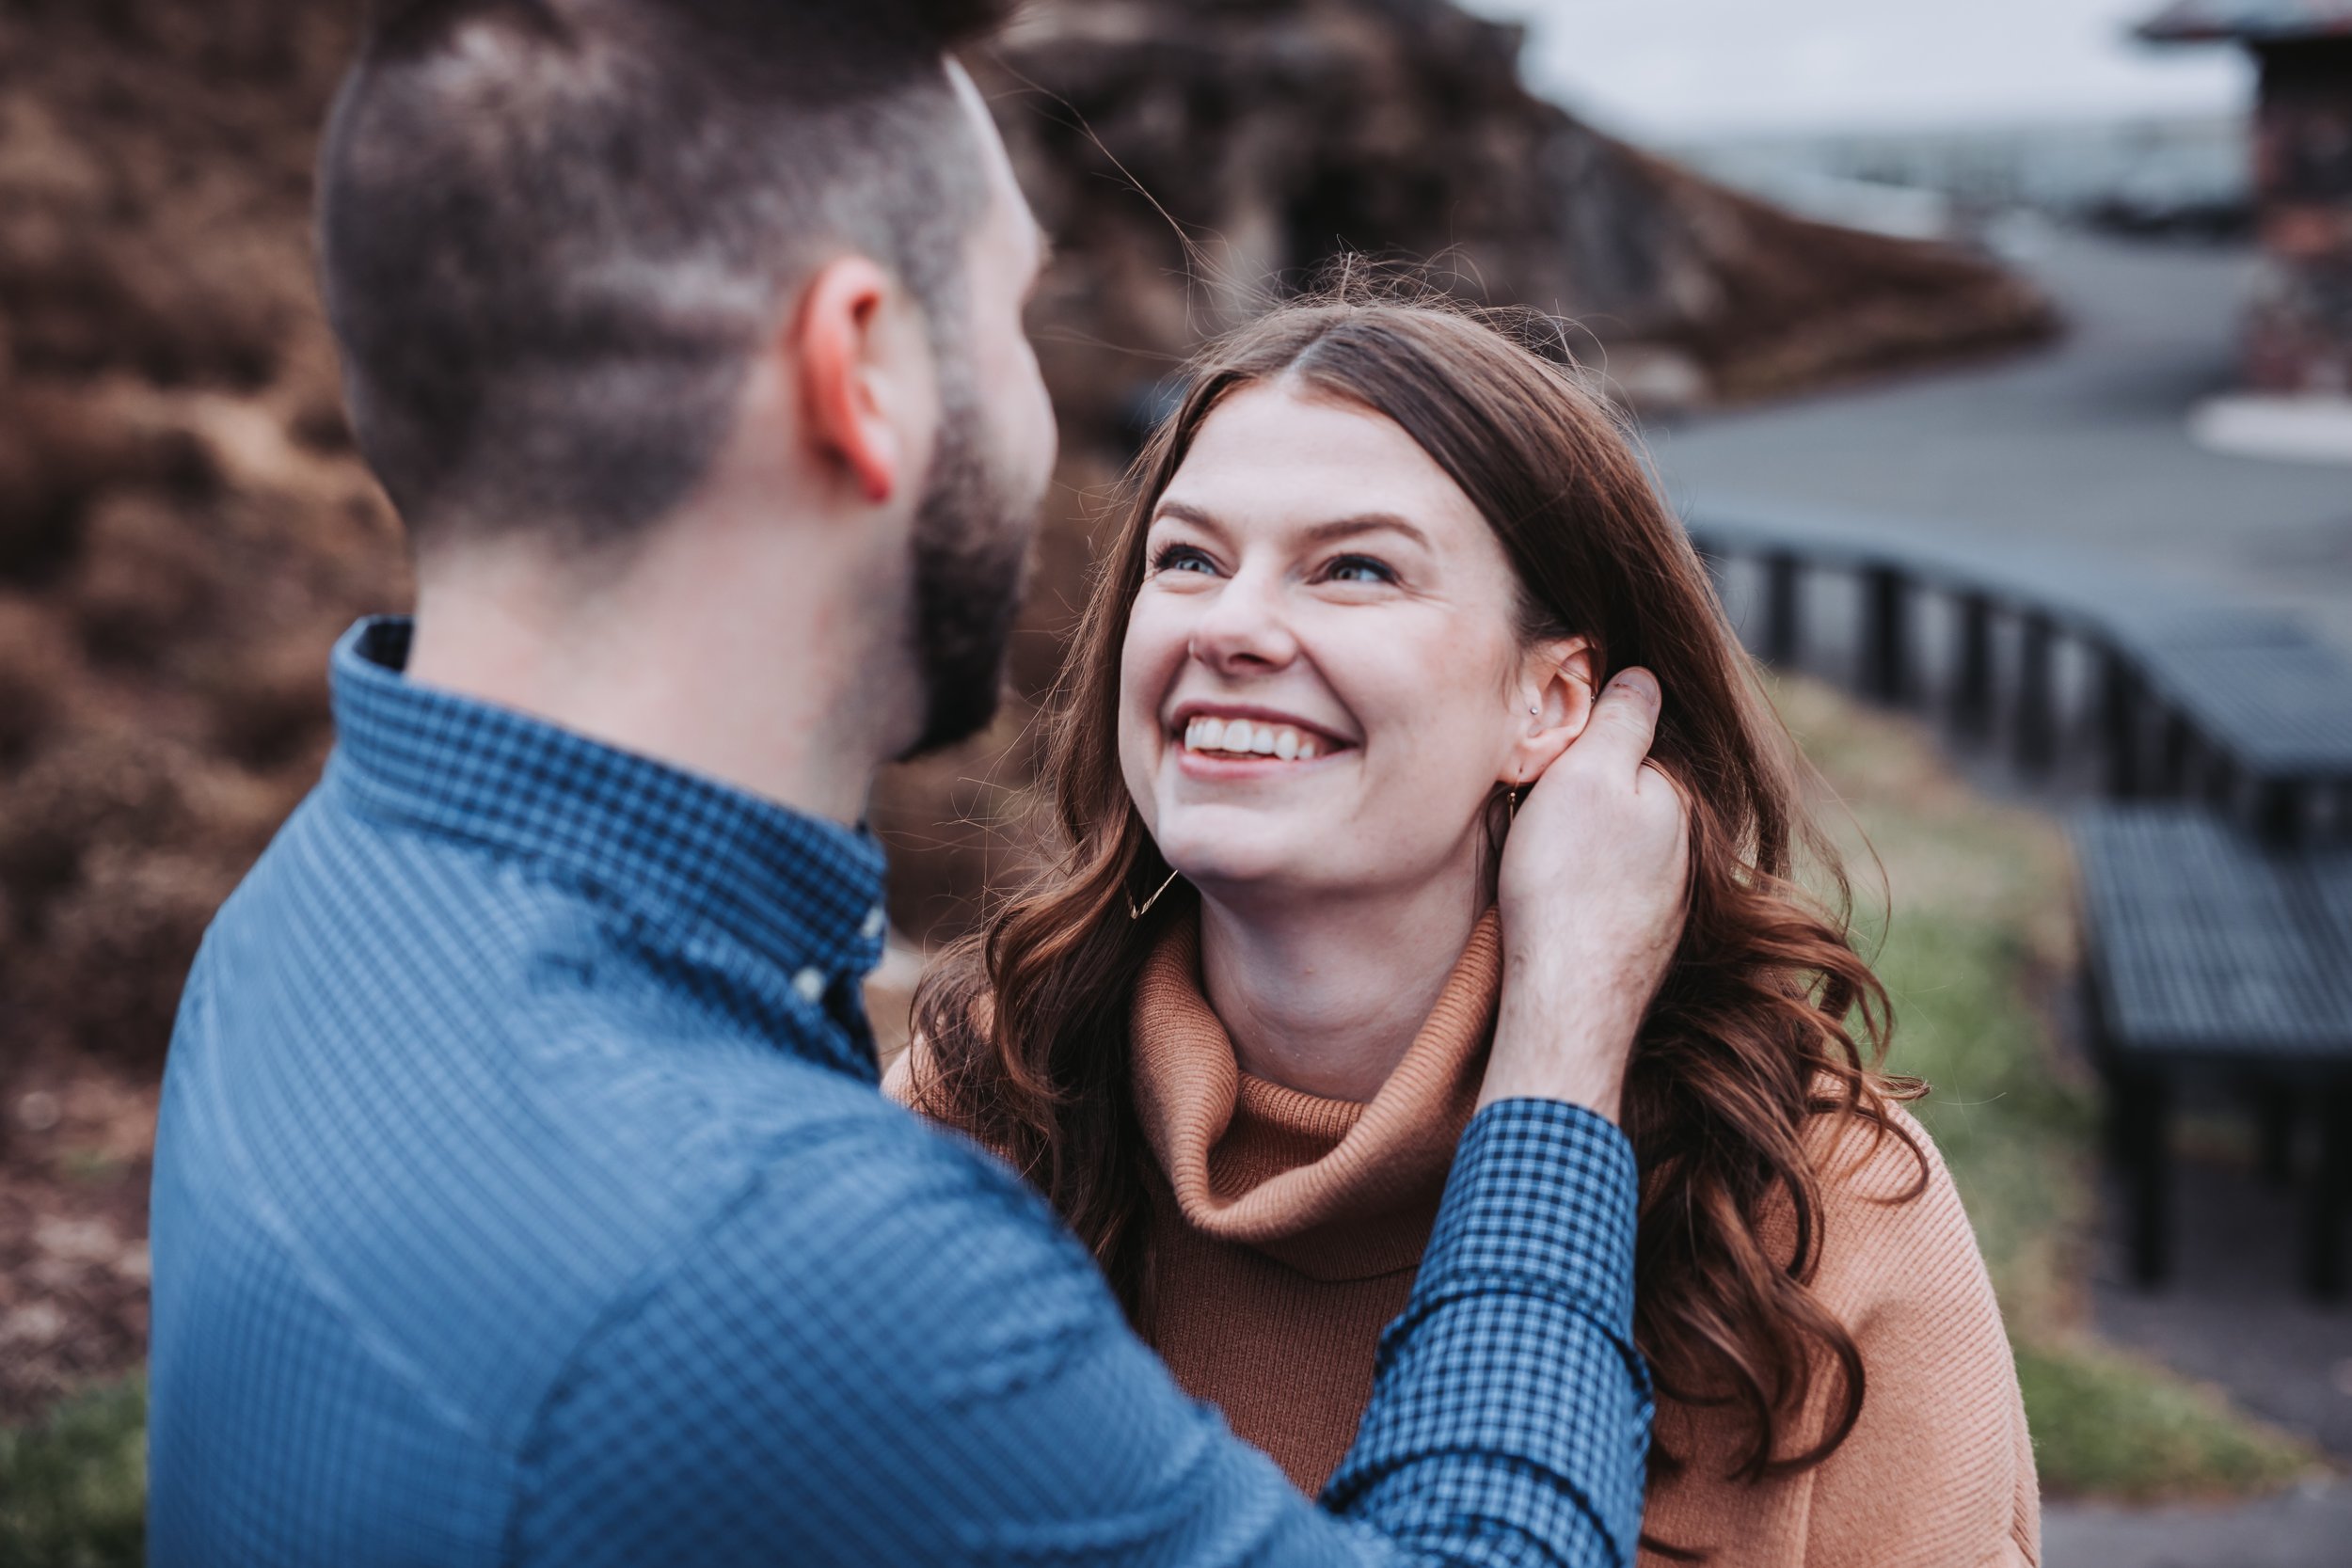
<point x="1593" y="890"/>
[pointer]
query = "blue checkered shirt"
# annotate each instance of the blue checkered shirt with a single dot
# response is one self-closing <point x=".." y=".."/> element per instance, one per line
<point x="523" y="1195"/>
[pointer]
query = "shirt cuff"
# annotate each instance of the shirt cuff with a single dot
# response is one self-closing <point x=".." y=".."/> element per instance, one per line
<point x="1543" y="1200"/>
<point x="1509" y="1405"/>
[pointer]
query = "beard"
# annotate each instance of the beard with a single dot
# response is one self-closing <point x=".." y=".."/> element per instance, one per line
<point x="971" y="539"/>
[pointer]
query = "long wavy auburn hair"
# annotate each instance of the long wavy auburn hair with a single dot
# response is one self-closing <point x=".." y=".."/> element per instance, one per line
<point x="1767" y="1016"/>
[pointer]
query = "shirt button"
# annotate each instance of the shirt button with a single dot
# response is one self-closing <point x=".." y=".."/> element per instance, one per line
<point x="876" y="922"/>
<point x="810" y="983"/>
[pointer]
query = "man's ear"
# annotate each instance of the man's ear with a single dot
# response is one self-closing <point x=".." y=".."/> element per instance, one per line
<point x="857" y="376"/>
<point x="1553" y="702"/>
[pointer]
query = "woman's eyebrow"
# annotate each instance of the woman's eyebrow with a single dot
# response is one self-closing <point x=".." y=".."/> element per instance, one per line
<point x="1366" y="522"/>
<point x="1315" y="533"/>
<point x="1184" y="513"/>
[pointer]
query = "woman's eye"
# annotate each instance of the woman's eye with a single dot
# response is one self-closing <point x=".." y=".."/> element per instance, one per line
<point x="1359" y="568"/>
<point x="1181" y="558"/>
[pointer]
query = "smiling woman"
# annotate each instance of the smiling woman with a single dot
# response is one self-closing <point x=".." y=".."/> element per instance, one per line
<point x="1328" y="642"/>
<point x="1370" y="575"/>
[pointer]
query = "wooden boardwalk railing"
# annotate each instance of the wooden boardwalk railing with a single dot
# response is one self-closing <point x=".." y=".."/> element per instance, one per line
<point x="2192" y="699"/>
<point x="2217" y="925"/>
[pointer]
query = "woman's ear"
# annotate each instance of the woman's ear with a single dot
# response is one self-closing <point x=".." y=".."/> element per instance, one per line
<point x="1555" y="692"/>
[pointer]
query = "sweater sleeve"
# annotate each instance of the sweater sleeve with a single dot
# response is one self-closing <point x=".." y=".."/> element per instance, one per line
<point x="1938" y="1472"/>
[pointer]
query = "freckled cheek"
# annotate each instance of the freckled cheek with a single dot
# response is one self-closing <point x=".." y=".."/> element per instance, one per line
<point x="1392" y="685"/>
<point x="1431" y="738"/>
<point x="1149" y="661"/>
<point x="1153" y="650"/>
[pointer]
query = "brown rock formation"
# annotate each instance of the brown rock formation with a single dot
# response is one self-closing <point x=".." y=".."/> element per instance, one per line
<point x="1279" y="134"/>
<point x="183" y="527"/>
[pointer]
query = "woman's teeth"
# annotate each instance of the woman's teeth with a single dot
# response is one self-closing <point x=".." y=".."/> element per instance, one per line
<point x="1242" y="738"/>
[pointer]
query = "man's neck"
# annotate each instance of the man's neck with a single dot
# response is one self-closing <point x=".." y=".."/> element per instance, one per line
<point x="1326" y="996"/>
<point x="698" y="652"/>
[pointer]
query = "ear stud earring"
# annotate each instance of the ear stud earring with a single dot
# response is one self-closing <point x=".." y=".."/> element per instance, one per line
<point x="1516" y="787"/>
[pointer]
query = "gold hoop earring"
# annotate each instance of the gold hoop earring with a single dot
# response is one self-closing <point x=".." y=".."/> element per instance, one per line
<point x="1138" y="913"/>
<point x="1513" y="799"/>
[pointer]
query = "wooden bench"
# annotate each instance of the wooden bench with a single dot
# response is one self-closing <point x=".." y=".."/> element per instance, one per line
<point x="2278" y="719"/>
<point x="2208" y="957"/>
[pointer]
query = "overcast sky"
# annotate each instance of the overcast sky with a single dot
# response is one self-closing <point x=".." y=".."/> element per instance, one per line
<point x="1663" y="69"/>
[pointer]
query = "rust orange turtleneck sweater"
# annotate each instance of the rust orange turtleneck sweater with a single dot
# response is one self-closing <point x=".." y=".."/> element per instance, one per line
<point x="1289" y="1228"/>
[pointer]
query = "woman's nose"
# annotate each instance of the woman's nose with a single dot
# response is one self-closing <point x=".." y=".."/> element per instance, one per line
<point x="1242" y="628"/>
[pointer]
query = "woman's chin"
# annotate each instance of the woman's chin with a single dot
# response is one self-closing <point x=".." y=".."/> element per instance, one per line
<point x="1239" y="871"/>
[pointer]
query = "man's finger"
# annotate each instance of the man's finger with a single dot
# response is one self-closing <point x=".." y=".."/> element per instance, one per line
<point x="1624" y="721"/>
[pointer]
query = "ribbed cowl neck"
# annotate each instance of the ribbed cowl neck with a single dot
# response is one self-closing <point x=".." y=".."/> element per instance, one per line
<point x="1335" y="1189"/>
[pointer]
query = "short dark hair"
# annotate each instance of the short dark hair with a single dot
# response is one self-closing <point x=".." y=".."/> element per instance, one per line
<point x="552" y="231"/>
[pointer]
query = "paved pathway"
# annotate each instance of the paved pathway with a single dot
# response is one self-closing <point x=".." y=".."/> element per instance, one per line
<point x="2234" y="1312"/>
<point x="2233" y="1315"/>
<point x="2307" y="1528"/>
<point x="2084" y="443"/>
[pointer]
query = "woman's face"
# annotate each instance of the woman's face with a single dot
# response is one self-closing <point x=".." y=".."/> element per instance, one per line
<point x="1322" y="679"/>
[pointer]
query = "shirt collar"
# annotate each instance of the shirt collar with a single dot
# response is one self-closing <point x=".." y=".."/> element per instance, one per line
<point x="799" y="891"/>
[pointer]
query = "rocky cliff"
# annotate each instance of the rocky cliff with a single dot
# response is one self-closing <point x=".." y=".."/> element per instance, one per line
<point x="1196" y="157"/>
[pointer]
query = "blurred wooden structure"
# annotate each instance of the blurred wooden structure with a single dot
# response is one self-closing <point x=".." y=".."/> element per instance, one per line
<point x="2298" y="334"/>
<point x="2175" y="696"/>
<point x="2210" y="959"/>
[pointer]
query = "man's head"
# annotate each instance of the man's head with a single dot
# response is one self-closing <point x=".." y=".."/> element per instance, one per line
<point x="564" y="240"/>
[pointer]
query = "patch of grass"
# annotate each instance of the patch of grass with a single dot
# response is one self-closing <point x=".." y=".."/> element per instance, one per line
<point x="2111" y="1425"/>
<point x="1981" y="933"/>
<point x="73" y="1486"/>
